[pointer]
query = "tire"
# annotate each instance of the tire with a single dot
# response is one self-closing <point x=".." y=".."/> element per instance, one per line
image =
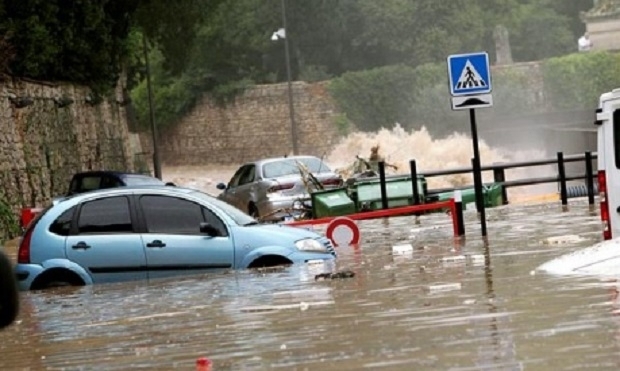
<point x="9" y="296"/>
<point x="56" y="278"/>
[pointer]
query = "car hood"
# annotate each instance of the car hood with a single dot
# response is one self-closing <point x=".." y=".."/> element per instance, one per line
<point x="276" y="234"/>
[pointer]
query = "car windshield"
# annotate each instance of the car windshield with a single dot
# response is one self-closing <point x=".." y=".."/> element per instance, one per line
<point x="237" y="215"/>
<point x="135" y="180"/>
<point x="288" y="166"/>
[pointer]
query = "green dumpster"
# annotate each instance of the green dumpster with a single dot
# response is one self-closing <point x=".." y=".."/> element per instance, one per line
<point x="367" y="194"/>
<point x="492" y="196"/>
<point x="332" y="202"/>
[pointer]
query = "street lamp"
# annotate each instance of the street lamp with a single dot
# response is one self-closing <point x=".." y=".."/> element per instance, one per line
<point x="281" y="34"/>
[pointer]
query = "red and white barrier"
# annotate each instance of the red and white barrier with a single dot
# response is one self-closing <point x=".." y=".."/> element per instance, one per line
<point x="351" y="231"/>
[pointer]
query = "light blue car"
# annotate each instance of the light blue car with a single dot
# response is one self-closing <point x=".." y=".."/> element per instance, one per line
<point x="150" y="232"/>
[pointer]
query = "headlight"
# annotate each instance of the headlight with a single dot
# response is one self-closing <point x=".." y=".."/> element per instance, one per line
<point x="310" y="245"/>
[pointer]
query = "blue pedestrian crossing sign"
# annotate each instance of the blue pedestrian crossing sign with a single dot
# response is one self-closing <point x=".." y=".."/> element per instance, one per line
<point x="469" y="74"/>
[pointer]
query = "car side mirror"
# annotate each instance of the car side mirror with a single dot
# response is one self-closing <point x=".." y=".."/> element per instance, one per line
<point x="221" y="186"/>
<point x="209" y="230"/>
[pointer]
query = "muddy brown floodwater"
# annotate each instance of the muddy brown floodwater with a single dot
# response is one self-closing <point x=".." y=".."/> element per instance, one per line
<point x="443" y="306"/>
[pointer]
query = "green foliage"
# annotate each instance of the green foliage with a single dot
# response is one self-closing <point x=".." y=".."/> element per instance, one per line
<point x="375" y="98"/>
<point x="222" y="61"/>
<point x="342" y="123"/>
<point x="314" y="74"/>
<point x="538" y="33"/>
<point x="576" y="81"/>
<point x="416" y="97"/>
<point x="79" y="41"/>
<point x="173" y="26"/>
<point x="9" y="225"/>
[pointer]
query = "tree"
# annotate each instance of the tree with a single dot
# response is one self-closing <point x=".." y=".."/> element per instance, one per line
<point x="538" y="33"/>
<point x="80" y="41"/>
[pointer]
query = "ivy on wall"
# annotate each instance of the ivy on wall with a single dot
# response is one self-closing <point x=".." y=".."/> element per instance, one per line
<point x="577" y="81"/>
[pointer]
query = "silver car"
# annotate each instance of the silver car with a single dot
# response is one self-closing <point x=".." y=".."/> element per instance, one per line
<point x="274" y="189"/>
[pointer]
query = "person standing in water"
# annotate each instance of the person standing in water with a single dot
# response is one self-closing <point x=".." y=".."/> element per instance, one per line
<point x="375" y="158"/>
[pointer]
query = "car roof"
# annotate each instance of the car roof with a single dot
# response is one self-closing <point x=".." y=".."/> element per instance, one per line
<point x="127" y="190"/>
<point x="111" y="172"/>
<point x="274" y="159"/>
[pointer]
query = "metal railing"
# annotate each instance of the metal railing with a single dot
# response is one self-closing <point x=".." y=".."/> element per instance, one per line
<point x="499" y="176"/>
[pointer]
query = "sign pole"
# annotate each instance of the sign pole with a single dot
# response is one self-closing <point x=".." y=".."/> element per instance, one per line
<point x="477" y="173"/>
<point x="469" y="76"/>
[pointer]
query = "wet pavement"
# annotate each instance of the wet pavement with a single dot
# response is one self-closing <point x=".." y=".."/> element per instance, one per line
<point x="442" y="305"/>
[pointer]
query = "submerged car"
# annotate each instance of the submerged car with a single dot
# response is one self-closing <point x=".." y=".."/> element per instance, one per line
<point x="87" y="181"/>
<point x="273" y="189"/>
<point x="99" y="179"/>
<point x="148" y="232"/>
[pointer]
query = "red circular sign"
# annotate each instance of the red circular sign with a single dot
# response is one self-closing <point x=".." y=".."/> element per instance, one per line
<point x="343" y="231"/>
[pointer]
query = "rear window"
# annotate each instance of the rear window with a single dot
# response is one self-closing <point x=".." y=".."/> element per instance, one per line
<point x="290" y="166"/>
<point x="62" y="225"/>
<point x="137" y="180"/>
<point x="85" y="184"/>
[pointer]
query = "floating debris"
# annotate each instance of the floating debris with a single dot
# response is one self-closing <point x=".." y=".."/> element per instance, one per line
<point x="333" y="276"/>
<point x="444" y="287"/>
<point x="454" y="259"/>
<point x="476" y="259"/>
<point x="404" y="249"/>
<point x="558" y="240"/>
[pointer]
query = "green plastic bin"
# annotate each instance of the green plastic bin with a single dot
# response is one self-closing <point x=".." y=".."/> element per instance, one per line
<point x="492" y="196"/>
<point x="399" y="193"/>
<point x="332" y="202"/>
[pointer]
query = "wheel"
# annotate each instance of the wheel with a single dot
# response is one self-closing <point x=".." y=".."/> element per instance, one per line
<point x="56" y="278"/>
<point x="9" y="296"/>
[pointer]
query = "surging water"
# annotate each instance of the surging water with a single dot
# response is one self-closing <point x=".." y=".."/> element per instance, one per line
<point x="398" y="146"/>
<point x="420" y="310"/>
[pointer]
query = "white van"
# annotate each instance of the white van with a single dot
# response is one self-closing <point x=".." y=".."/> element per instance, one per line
<point x="608" y="148"/>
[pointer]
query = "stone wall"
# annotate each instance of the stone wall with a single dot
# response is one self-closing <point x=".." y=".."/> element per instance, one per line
<point x="533" y="72"/>
<point x="48" y="132"/>
<point x="256" y="125"/>
<point x="604" y="33"/>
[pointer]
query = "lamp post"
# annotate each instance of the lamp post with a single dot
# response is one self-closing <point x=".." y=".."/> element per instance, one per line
<point x="156" y="163"/>
<point x="281" y="34"/>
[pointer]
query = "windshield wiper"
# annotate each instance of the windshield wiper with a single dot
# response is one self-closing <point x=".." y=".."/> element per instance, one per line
<point x="254" y="222"/>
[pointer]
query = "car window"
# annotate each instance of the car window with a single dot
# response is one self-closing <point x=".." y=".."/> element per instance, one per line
<point x="85" y="184"/>
<point x="289" y="166"/>
<point x="234" y="181"/>
<point x="134" y="180"/>
<point x="215" y="221"/>
<point x="315" y="165"/>
<point x="165" y="214"/>
<point x="62" y="225"/>
<point x="109" y="181"/>
<point x="235" y="214"/>
<point x="248" y="175"/>
<point x="106" y="215"/>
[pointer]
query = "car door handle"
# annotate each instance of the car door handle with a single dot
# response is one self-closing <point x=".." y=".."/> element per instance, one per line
<point x="156" y="243"/>
<point x="80" y="245"/>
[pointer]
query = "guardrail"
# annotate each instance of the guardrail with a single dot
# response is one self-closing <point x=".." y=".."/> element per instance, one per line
<point x="499" y="176"/>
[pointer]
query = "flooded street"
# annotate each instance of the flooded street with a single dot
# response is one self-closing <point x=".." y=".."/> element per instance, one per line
<point x="442" y="306"/>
